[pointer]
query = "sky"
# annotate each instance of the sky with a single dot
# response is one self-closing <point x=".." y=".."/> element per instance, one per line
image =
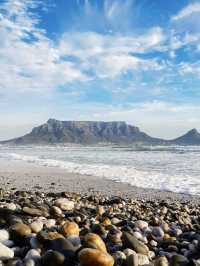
<point x="129" y="60"/>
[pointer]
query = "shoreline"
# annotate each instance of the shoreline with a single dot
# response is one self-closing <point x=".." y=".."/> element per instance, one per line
<point x="20" y="175"/>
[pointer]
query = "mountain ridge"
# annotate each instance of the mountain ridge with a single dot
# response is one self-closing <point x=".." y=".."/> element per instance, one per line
<point x="93" y="132"/>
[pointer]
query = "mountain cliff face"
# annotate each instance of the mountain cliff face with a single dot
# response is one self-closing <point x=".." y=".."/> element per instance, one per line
<point x="84" y="132"/>
<point x="92" y="132"/>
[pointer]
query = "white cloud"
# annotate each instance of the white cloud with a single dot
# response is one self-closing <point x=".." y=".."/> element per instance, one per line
<point x="110" y="55"/>
<point x="115" y="8"/>
<point x="86" y="44"/>
<point x="36" y="63"/>
<point x="186" y="68"/>
<point x="113" y="65"/>
<point x="187" y="11"/>
<point x="29" y="60"/>
<point x="157" y="118"/>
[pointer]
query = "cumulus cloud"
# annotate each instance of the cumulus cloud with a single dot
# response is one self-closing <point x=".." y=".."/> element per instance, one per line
<point x="29" y="60"/>
<point x="111" y="55"/>
<point x="122" y="64"/>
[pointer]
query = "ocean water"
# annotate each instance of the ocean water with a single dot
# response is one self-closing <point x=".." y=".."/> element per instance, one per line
<point x="172" y="168"/>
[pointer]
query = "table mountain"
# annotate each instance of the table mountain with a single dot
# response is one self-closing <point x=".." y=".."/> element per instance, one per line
<point x="93" y="132"/>
<point x="84" y="132"/>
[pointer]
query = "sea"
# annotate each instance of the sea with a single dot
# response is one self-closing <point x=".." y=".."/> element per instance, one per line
<point x="167" y="168"/>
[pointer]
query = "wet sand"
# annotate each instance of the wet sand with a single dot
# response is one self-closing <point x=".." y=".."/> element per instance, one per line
<point x="27" y="176"/>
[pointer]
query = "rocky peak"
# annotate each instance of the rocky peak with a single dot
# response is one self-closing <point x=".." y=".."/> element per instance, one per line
<point x="193" y="131"/>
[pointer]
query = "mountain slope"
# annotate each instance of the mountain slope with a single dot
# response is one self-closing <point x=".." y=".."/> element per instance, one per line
<point x="192" y="137"/>
<point x="93" y="132"/>
<point x="84" y="132"/>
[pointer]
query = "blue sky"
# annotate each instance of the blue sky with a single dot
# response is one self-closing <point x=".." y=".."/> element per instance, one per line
<point x="131" y="60"/>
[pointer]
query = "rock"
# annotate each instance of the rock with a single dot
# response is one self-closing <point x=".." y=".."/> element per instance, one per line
<point x="161" y="261"/>
<point x="138" y="235"/>
<point x="54" y="235"/>
<point x="50" y="223"/>
<point x="196" y="262"/>
<point x="165" y="227"/>
<point x="64" y="204"/>
<point x="94" y="257"/>
<point x="129" y="252"/>
<point x="141" y="224"/>
<point x="61" y="245"/>
<point x="75" y="240"/>
<point x="36" y="226"/>
<point x="114" y="236"/>
<point x="53" y="258"/>
<point x="33" y="254"/>
<point x="29" y="262"/>
<point x="4" y="235"/>
<point x="119" y="257"/>
<point x="153" y="243"/>
<point x="11" y="206"/>
<point x="34" y="211"/>
<point x="12" y="219"/>
<point x="132" y="260"/>
<point x="5" y="252"/>
<point x="151" y="255"/>
<point x="132" y="242"/>
<point x="92" y="240"/>
<point x="19" y="231"/>
<point x="115" y="221"/>
<point x="34" y="243"/>
<point x="100" y="210"/>
<point x="158" y="232"/>
<point x="164" y="210"/>
<point x="70" y="228"/>
<point x="177" y="231"/>
<point x="8" y="243"/>
<point x="44" y="236"/>
<point x="143" y="259"/>
<point x="106" y="221"/>
<point x="179" y="260"/>
<point x="15" y="262"/>
<point x="99" y="229"/>
<point x="55" y="211"/>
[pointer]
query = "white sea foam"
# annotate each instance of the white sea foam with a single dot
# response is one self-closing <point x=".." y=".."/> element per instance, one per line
<point x="167" y="168"/>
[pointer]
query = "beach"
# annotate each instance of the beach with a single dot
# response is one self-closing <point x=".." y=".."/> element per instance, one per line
<point x="20" y="175"/>
<point x="50" y="217"/>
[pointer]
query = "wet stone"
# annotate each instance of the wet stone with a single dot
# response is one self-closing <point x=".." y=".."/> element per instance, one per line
<point x="89" y="257"/>
<point x="53" y="258"/>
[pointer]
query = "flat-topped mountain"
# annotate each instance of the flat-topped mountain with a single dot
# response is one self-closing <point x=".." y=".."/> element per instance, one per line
<point x="84" y="132"/>
<point x="93" y="132"/>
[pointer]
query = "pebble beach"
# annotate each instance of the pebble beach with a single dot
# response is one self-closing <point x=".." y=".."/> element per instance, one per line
<point x="51" y="218"/>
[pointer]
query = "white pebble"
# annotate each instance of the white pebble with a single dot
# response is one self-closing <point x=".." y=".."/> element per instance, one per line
<point x="29" y="262"/>
<point x="50" y="223"/>
<point x="141" y="224"/>
<point x="4" y="235"/>
<point x="142" y="259"/>
<point x="153" y="243"/>
<point x="5" y="252"/>
<point x="11" y="206"/>
<point x="64" y="204"/>
<point x="32" y="254"/>
<point x="36" y="226"/>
